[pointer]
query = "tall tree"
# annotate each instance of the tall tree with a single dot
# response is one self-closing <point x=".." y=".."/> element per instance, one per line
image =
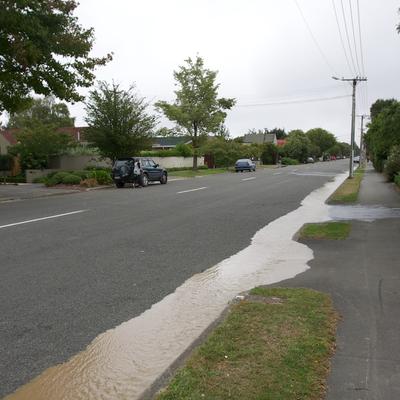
<point x="197" y="108"/>
<point x="280" y="133"/>
<point x="322" y="139"/>
<point x="383" y="133"/>
<point x="45" y="111"/>
<point x="43" y="50"/>
<point x="379" y="106"/>
<point x="297" y="145"/>
<point x="118" y="123"/>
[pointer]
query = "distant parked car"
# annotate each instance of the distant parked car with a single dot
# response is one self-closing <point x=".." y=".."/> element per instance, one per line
<point x="356" y="159"/>
<point x="123" y="171"/>
<point x="245" y="164"/>
<point x="310" y="160"/>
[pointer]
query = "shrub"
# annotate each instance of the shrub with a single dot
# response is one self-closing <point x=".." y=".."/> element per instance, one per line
<point x="71" y="179"/>
<point x="184" y="150"/>
<point x="289" y="161"/>
<point x="269" y="154"/>
<point x="90" y="182"/>
<point x="81" y="174"/>
<point x="102" y="177"/>
<point x="392" y="165"/>
<point x="42" y="179"/>
<point x="58" y="177"/>
<point x="397" y="180"/>
<point x="50" y="181"/>
<point x="97" y="168"/>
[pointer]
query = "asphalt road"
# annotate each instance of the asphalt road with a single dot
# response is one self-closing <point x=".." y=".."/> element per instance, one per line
<point x="66" y="279"/>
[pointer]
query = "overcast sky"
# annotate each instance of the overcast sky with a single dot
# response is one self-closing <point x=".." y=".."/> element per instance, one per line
<point x="263" y="51"/>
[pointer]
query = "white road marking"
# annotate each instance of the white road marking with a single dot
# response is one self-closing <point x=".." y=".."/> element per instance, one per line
<point x="277" y="173"/>
<point x="42" y="219"/>
<point x="249" y="179"/>
<point x="295" y="170"/>
<point x="192" y="190"/>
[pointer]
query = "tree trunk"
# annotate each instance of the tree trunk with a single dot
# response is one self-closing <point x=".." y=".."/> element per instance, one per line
<point x="194" y="146"/>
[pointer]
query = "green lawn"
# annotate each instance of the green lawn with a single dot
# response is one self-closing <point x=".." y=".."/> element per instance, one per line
<point x="347" y="192"/>
<point x="190" y="173"/>
<point x="276" y="345"/>
<point x="326" y="230"/>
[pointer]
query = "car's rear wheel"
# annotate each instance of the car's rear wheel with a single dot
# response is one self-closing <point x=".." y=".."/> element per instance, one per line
<point x="119" y="185"/>
<point x="144" y="180"/>
<point x="164" y="179"/>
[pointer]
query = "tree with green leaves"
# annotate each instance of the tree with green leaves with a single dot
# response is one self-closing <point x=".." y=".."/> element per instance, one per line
<point x="45" y="111"/>
<point x="118" y="122"/>
<point x="321" y="139"/>
<point x="43" y="50"/>
<point x="279" y="133"/>
<point x="379" y="105"/>
<point x="383" y="133"/>
<point x="197" y="109"/>
<point x="297" y="145"/>
<point x="269" y="153"/>
<point x="37" y="144"/>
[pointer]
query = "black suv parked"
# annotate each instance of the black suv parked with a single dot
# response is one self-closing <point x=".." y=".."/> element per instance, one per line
<point x="122" y="171"/>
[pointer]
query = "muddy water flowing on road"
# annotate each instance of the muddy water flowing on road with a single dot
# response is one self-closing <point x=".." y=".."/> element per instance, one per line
<point x="122" y="362"/>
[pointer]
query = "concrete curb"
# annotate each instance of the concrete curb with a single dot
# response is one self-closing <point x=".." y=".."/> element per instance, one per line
<point x="164" y="379"/>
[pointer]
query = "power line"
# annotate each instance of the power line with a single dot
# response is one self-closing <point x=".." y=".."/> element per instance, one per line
<point x="347" y="36"/>
<point x="354" y="36"/>
<point x="314" y="39"/>
<point x="359" y="32"/>
<point x="277" y="103"/>
<point x="341" y="39"/>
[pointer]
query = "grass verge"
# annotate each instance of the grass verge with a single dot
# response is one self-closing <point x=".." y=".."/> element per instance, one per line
<point x="326" y="230"/>
<point x="263" y="350"/>
<point x="347" y="192"/>
<point x="190" y="173"/>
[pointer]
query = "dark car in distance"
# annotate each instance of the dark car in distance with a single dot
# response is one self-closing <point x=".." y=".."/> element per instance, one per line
<point x="245" y="164"/>
<point x="123" y="172"/>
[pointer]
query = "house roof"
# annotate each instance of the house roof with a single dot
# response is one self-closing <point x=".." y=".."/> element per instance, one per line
<point x="259" y="138"/>
<point x="75" y="132"/>
<point x="170" y="141"/>
<point x="10" y="135"/>
<point x="281" y="142"/>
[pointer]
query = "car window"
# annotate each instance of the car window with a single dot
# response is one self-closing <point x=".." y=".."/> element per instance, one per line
<point x="120" y="163"/>
<point x="152" y="163"/>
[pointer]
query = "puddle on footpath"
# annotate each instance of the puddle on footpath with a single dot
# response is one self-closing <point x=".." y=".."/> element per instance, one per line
<point x="123" y="362"/>
<point x="363" y="213"/>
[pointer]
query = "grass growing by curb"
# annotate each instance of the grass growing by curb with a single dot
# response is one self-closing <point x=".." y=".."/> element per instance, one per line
<point x="326" y="230"/>
<point x="190" y="173"/>
<point x="263" y="350"/>
<point x="347" y="192"/>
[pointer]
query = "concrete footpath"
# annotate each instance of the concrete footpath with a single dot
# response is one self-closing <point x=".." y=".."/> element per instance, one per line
<point x="362" y="274"/>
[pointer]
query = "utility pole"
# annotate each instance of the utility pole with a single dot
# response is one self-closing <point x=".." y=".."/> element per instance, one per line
<point x="353" y="116"/>
<point x="363" y="150"/>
